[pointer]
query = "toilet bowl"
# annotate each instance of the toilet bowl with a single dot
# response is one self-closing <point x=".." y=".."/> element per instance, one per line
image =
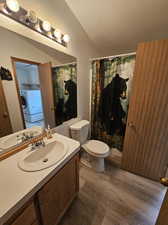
<point x="97" y="150"/>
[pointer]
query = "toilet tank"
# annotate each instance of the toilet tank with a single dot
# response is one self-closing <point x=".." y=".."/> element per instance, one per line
<point x="80" y="131"/>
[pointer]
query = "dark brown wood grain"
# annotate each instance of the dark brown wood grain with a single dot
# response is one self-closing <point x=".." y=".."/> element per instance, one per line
<point x="5" y="123"/>
<point x="146" y="142"/>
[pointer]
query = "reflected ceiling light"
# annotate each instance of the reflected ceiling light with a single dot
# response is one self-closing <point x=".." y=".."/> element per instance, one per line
<point x="12" y="5"/>
<point x="57" y="34"/>
<point x="46" y="26"/>
<point x="66" y="38"/>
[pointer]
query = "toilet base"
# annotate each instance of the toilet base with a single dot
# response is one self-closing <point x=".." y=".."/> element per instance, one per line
<point x="97" y="163"/>
<point x="92" y="162"/>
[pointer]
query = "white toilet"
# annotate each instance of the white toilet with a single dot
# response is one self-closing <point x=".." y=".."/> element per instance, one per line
<point x="97" y="150"/>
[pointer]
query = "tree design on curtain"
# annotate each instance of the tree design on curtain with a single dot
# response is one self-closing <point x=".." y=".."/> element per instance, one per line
<point x="103" y="72"/>
<point x="65" y="92"/>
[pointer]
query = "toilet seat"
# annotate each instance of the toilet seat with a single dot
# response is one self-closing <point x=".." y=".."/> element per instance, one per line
<point x="97" y="148"/>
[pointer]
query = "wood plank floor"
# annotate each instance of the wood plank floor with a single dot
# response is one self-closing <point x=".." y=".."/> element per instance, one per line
<point x="115" y="197"/>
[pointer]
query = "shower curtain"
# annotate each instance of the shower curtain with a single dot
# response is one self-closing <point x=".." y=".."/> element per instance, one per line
<point x="65" y="92"/>
<point x="103" y="72"/>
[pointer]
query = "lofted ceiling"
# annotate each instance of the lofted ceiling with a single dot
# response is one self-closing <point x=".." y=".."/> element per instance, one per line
<point x="116" y="26"/>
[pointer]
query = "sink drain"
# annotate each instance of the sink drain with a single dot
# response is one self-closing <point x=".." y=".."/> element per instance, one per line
<point x="45" y="160"/>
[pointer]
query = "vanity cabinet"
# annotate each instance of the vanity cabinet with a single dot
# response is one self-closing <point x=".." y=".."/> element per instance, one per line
<point x="26" y="215"/>
<point x="50" y="203"/>
<point x="57" y="195"/>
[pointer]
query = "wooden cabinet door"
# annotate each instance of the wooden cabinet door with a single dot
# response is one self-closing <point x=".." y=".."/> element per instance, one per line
<point x="5" y="124"/>
<point x="56" y="196"/>
<point x="45" y="76"/>
<point x="146" y="140"/>
<point x="25" y="216"/>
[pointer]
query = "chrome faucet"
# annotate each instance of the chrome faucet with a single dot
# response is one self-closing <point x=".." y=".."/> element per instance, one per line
<point x="37" y="144"/>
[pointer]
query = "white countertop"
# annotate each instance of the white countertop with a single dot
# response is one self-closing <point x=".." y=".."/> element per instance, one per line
<point x="17" y="186"/>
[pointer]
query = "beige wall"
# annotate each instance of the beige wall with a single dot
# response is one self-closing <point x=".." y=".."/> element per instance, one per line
<point x="12" y="44"/>
<point x="60" y="16"/>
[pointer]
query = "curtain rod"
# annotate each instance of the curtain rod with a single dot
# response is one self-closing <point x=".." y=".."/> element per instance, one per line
<point x="65" y="64"/>
<point x="113" y="56"/>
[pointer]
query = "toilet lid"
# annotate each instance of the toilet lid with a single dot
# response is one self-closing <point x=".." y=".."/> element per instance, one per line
<point x="97" y="147"/>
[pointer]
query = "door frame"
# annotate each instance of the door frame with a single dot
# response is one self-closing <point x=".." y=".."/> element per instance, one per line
<point x="14" y="60"/>
<point x="5" y="104"/>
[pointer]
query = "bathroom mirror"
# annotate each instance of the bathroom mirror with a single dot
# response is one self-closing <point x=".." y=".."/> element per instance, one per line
<point x="38" y="84"/>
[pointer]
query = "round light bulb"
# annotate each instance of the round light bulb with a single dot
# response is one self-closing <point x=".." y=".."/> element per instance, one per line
<point x="13" y="5"/>
<point x="57" y="34"/>
<point x="66" y="38"/>
<point x="46" y="26"/>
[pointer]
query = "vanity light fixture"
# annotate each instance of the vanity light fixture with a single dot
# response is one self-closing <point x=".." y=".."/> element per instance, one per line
<point x="59" y="40"/>
<point x="38" y="28"/>
<point x="12" y="6"/>
<point x="66" y="38"/>
<point x="29" y="18"/>
<point x="57" y="34"/>
<point x="46" y="26"/>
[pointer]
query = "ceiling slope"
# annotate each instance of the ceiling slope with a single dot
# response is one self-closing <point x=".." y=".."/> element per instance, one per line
<point x="116" y="26"/>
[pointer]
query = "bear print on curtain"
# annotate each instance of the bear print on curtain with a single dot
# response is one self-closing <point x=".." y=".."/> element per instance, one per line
<point x="111" y="89"/>
<point x="65" y="92"/>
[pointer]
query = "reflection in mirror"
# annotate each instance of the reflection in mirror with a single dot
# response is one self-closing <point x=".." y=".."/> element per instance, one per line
<point x="65" y="92"/>
<point x="38" y="85"/>
<point x="27" y="76"/>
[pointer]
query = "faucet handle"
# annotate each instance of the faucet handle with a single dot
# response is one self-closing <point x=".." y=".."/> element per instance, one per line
<point x="19" y="139"/>
<point x="32" y="145"/>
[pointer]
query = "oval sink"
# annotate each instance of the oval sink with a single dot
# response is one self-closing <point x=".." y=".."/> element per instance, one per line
<point x="43" y="157"/>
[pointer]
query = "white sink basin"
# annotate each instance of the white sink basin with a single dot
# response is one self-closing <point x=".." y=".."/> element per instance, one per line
<point x="43" y="157"/>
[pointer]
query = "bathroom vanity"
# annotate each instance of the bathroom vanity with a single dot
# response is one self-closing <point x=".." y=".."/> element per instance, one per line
<point x="40" y="197"/>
